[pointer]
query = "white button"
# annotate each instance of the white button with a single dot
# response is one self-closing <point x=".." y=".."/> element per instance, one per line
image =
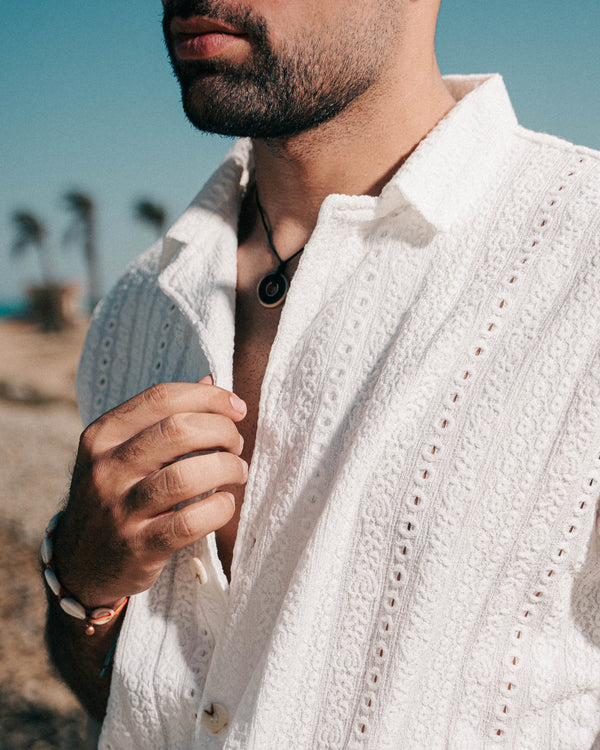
<point x="198" y="570"/>
<point x="215" y="718"/>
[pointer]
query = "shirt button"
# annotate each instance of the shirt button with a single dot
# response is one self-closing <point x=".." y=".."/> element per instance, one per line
<point x="215" y="718"/>
<point x="198" y="570"/>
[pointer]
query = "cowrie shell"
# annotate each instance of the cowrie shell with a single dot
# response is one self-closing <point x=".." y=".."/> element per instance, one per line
<point x="73" y="608"/>
<point x="52" y="581"/>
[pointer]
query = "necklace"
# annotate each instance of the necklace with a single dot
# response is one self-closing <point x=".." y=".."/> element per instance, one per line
<point x="273" y="287"/>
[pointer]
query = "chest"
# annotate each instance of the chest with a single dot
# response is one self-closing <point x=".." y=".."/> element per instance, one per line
<point x="255" y="329"/>
<point x="254" y="334"/>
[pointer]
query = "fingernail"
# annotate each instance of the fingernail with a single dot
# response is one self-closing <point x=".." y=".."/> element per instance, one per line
<point x="231" y="497"/>
<point x="207" y="380"/>
<point x="245" y="467"/>
<point x="237" y="404"/>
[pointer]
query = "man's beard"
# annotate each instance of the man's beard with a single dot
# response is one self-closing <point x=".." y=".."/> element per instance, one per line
<point x="274" y="93"/>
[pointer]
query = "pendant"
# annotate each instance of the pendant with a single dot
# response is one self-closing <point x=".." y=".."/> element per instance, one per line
<point x="272" y="289"/>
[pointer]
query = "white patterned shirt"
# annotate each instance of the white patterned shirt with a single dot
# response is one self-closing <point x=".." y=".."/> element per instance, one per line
<point x="417" y="564"/>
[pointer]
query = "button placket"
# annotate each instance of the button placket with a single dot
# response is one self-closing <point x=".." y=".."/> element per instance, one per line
<point x="212" y="589"/>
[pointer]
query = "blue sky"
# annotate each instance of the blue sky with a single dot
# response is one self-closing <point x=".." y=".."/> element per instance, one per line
<point x="89" y="102"/>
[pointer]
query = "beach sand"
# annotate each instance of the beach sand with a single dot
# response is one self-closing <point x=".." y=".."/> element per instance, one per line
<point x="39" y="430"/>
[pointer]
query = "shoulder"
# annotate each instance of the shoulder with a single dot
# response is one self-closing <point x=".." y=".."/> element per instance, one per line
<point x="549" y="190"/>
<point x="552" y="144"/>
<point x="138" y="285"/>
<point x="113" y="322"/>
<point x="569" y="169"/>
<point x="142" y="270"/>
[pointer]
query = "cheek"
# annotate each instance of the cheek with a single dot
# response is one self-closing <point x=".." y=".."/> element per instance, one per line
<point x="287" y="17"/>
<point x="298" y="24"/>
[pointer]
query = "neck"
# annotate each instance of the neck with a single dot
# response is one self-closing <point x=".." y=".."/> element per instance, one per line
<point x="356" y="153"/>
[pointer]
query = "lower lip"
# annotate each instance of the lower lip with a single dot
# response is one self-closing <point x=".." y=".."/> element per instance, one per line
<point x="203" y="46"/>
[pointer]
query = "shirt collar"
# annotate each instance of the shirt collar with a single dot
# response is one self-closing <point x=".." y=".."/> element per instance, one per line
<point x="443" y="177"/>
<point x="459" y="159"/>
<point x="216" y="208"/>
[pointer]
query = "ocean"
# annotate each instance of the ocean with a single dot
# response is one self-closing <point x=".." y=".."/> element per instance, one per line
<point x="16" y="308"/>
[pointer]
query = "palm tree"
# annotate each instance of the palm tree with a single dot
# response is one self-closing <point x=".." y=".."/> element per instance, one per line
<point x="30" y="231"/>
<point x="83" y="230"/>
<point x="151" y="213"/>
<point x="46" y="300"/>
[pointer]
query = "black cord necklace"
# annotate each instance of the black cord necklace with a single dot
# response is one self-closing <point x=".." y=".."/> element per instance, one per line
<point x="273" y="287"/>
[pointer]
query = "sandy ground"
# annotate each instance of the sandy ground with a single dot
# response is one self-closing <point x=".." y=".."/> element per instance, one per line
<point x="39" y="429"/>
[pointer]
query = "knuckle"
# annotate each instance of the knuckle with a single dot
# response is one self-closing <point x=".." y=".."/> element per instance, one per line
<point x="87" y="440"/>
<point x="161" y="541"/>
<point x="100" y="474"/>
<point x="140" y="496"/>
<point x="183" y="525"/>
<point x="157" y="396"/>
<point x="174" y="479"/>
<point x="171" y="429"/>
<point x="126" y="452"/>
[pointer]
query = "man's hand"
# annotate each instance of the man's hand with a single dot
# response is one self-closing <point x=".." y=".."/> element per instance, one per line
<point x="134" y="498"/>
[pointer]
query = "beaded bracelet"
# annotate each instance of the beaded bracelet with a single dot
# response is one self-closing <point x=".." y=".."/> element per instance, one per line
<point x="97" y="616"/>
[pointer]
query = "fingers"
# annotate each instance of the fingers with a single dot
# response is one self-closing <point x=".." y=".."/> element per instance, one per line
<point x="185" y="480"/>
<point x="177" y="529"/>
<point x="117" y="548"/>
<point x="155" y="404"/>
<point x="136" y="490"/>
<point x="174" y="437"/>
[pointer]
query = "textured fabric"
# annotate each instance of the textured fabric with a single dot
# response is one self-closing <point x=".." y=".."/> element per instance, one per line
<point x="417" y="563"/>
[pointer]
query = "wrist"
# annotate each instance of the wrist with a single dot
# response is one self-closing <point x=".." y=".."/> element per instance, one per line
<point x="76" y="571"/>
<point x="92" y="616"/>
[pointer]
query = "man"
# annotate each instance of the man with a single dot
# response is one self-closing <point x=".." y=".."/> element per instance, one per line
<point x="413" y="560"/>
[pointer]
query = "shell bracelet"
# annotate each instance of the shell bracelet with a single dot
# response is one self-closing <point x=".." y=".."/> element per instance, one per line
<point x="93" y="617"/>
